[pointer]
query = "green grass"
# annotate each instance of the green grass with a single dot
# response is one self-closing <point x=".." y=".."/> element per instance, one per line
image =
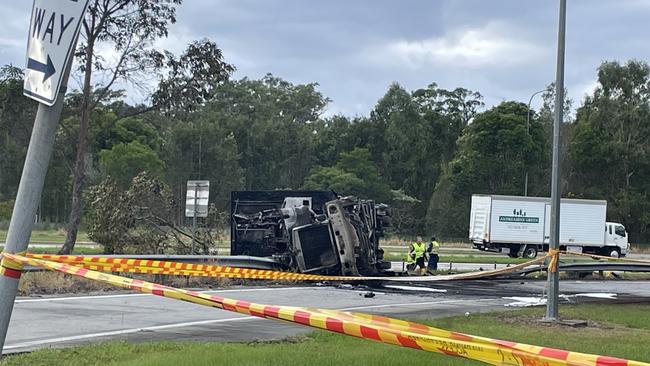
<point x="48" y="236"/>
<point x="466" y="259"/>
<point x="620" y="330"/>
<point x="487" y="259"/>
<point x="54" y="250"/>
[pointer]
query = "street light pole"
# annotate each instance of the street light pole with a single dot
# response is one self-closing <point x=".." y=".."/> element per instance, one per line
<point x="553" y="278"/>
<point x="528" y="132"/>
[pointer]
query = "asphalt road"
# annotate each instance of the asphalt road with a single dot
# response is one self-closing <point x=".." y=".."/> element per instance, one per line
<point x="64" y="321"/>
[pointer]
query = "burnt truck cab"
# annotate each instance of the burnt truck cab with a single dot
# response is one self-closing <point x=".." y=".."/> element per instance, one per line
<point x="310" y="231"/>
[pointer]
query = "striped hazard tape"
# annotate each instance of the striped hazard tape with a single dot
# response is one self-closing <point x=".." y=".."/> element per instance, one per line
<point x="10" y="268"/>
<point x="376" y="328"/>
<point x="125" y="265"/>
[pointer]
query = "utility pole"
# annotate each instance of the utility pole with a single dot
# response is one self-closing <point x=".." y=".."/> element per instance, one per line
<point x="556" y="183"/>
<point x="528" y="132"/>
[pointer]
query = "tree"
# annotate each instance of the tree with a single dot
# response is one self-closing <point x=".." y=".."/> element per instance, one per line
<point x="610" y="150"/>
<point x="332" y="136"/>
<point x="406" y="138"/>
<point x="125" y="161"/>
<point x="16" y="119"/>
<point x="217" y="159"/>
<point x="272" y="122"/>
<point x="494" y="152"/>
<point x="130" y="27"/>
<point x="138" y="219"/>
<point x="354" y="174"/>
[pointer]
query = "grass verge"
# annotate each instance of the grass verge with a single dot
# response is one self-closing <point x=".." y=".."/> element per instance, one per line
<point x="615" y="330"/>
<point x="54" y="250"/>
<point x="465" y="259"/>
<point x="49" y="236"/>
<point x="487" y="259"/>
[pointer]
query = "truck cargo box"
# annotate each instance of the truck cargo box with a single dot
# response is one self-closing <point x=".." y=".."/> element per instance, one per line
<point x="497" y="221"/>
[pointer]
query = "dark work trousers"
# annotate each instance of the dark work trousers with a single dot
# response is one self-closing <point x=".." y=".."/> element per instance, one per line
<point x="433" y="262"/>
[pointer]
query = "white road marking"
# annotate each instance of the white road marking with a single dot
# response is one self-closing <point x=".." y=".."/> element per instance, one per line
<point x="121" y="332"/>
<point x="415" y="288"/>
<point x="101" y="297"/>
<point x="213" y="321"/>
<point x="413" y="304"/>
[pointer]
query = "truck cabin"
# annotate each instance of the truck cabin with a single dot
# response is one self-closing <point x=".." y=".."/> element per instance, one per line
<point x="615" y="229"/>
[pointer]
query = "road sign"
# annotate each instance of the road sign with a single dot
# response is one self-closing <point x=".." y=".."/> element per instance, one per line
<point x="53" y="32"/>
<point x="198" y="193"/>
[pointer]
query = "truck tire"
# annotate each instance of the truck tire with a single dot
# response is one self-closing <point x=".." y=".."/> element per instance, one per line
<point x="514" y="250"/>
<point x="530" y="252"/>
<point x="613" y="252"/>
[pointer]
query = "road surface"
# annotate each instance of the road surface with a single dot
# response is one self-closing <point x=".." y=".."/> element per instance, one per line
<point x="64" y="321"/>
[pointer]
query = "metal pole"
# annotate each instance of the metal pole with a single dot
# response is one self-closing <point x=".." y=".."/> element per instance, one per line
<point x="29" y="195"/>
<point x="528" y="132"/>
<point x="196" y="190"/>
<point x="553" y="278"/>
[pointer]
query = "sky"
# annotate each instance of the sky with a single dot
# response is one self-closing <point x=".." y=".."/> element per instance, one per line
<point x="354" y="49"/>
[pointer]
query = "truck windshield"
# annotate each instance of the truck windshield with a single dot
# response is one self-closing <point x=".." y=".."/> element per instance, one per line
<point x="620" y="230"/>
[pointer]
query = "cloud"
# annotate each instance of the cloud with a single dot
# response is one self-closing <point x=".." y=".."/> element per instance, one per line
<point x="582" y="90"/>
<point x="490" y="45"/>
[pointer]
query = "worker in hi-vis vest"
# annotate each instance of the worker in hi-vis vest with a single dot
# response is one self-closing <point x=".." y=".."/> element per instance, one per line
<point x="410" y="262"/>
<point x="418" y="251"/>
<point x="433" y="250"/>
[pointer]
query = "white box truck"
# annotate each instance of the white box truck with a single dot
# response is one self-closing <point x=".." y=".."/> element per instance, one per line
<point x="520" y="226"/>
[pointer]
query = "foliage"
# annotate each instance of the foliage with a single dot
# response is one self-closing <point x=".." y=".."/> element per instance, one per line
<point x="136" y="220"/>
<point x="203" y="149"/>
<point x="354" y="174"/>
<point x="271" y="121"/>
<point x="610" y="150"/>
<point x="494" y="153"/>
<point x="140" y="219"/>
<point x="6" y="207"/>
<point x="129" y="29"/>
<point x="404" y="213"/>
<point x="16" y="116"/>
<point x="425" y="150"/>
<point x="125" y="161"/>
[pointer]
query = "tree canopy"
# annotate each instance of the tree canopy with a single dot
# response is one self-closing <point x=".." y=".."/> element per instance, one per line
<point x="425" y="151"/>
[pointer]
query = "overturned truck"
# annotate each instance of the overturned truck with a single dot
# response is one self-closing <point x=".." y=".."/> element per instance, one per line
<point x="310" y="231"/>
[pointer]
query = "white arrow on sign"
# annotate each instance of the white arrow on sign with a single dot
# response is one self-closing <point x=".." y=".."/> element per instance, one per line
<point x="53" y="32"/>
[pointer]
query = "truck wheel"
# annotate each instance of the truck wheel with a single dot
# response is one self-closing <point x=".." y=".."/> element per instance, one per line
<point x="614" y="253"/>
<point x="530" y="252"/>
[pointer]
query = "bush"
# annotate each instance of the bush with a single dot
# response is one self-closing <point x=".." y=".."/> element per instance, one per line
<point x="6" y="207"/>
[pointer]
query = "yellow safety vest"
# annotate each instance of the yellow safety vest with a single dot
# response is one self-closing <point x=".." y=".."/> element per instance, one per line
<point x="419" y="249"/>
<point x="409" y="259"/>
<point x="435" y="247"/>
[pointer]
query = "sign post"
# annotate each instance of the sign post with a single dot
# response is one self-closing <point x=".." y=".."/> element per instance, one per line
<point x="52" y="38"/>
<point x="196" y="203"/>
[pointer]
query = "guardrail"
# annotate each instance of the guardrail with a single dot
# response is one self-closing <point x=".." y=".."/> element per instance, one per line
<point x="222" y="260"/>
<point x="589" y="267"/>
<point x="245" y="261"/>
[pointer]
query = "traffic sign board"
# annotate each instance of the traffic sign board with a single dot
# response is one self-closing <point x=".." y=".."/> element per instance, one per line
<point x="198" y="194"/>
<point x="53" y="32"/>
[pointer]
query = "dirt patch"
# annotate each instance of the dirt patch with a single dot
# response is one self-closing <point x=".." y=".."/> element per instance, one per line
<point x="54" y="283"/>
<point x="534" y="321"/>
<point x="49" y="283"/>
